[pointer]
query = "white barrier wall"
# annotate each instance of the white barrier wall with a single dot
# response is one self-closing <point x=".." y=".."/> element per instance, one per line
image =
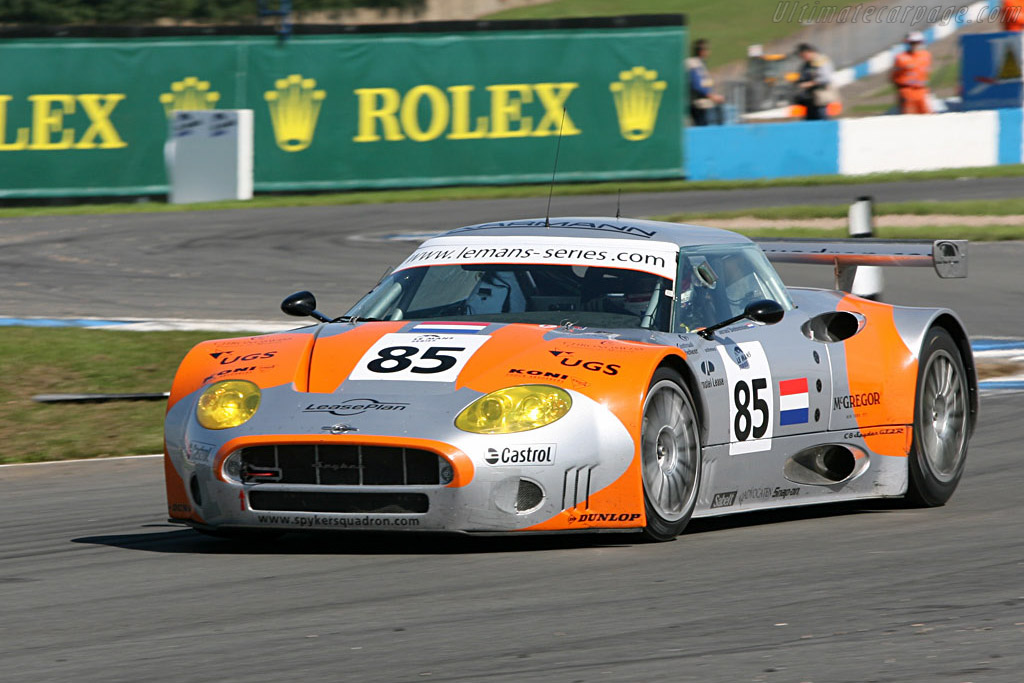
<point x="918" y="142"/>
<point x="209" y="155"/>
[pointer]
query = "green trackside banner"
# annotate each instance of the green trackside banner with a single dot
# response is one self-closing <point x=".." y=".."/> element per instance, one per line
<point x="89" y="116"/>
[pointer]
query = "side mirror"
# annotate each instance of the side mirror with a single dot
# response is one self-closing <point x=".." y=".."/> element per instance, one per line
<point x="764" y="311"/>
<point x="303" y="304"/>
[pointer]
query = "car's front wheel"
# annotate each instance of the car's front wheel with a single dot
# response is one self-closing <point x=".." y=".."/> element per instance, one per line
<point x="670" y="454"/>
<point x="941" y="421"/>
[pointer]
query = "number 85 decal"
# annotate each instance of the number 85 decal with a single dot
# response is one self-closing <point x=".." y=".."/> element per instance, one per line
<point x="751" y="403"/>
<point x="743" y="424"/>
<point x="413" y="358"/>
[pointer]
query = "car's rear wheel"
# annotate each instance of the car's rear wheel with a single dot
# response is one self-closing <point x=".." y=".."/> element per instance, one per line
<point x="941" y="421"/>
<point x="670" y="454"/>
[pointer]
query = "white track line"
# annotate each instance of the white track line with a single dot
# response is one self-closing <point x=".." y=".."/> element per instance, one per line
<point x="63" y="462"/>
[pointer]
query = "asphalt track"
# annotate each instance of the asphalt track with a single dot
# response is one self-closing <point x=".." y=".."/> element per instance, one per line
<point x="95" y="586"/>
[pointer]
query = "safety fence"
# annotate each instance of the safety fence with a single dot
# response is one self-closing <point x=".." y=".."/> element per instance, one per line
<point x="439" y="105"/>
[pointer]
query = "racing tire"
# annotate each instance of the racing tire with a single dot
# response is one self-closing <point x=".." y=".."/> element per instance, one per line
<point x="941" y="422"/>
<point x="670" y="452"/>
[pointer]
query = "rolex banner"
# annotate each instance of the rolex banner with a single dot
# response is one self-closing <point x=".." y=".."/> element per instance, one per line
<point x="360" y="110"/>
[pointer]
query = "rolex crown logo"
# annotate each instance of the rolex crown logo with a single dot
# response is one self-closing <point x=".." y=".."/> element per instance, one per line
<point x="189" y="94"/>
<point x="637" y="98"/>
<point x="294" y="106"/>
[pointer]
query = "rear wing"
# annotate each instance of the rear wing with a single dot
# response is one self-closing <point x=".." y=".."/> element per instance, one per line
<point x="948" y="257"/>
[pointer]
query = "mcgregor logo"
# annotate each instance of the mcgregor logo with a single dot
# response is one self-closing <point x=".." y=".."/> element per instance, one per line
<point x="189" y="94"/>
<point x="294" y="107"/>
<point x="637" y="98"/>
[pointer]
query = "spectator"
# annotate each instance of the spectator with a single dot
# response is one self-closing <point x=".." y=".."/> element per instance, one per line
<point x="910" y="75"/>
<point x="1013" y="15"/>
<point x="814" y="86"/>
<point x="705" y="104"/>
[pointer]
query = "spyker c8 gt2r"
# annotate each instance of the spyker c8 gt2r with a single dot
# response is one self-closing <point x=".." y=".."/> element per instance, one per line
<point x="578" y="374"/>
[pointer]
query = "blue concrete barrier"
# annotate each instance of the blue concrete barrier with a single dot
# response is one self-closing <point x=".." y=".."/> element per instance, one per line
<point x="762" y="150"/>
<point x="855" y="146"/>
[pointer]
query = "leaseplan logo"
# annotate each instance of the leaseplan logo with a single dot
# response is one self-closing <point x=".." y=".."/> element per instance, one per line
<point x="355" y="406"/>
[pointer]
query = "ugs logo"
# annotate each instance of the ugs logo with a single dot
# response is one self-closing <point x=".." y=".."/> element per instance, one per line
<point x="537" y="454"/>
<point x="244" y="359"/>
<point x="592" y="365"/>
<point x="355" y="406"/>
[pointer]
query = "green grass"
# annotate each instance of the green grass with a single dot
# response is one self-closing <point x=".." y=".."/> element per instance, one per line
<point x="946" y="76"/>
<point x="505" y="192"/>
<point x="730" y="26"/>
<point x="37" y="361"/>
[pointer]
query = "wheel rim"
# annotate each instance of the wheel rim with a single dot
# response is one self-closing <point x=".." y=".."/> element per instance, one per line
<point x="943" y="416"/>
<point x="670" y="449"/>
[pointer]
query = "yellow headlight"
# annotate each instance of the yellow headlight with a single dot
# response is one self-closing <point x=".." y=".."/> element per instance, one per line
<point x="515" y="409"/>
<point x="228" y="404"/>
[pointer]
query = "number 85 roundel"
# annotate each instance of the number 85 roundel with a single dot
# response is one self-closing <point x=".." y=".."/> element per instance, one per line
<point x="417" y="357"/>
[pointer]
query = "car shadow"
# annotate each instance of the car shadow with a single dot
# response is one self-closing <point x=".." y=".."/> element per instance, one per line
<point x="172" y="538"/>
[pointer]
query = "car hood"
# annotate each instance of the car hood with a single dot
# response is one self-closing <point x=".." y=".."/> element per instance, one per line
<point x="416" y="359"/>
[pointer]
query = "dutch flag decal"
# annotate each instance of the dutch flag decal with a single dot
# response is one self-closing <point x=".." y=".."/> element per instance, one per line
<point x="793" y="401"/>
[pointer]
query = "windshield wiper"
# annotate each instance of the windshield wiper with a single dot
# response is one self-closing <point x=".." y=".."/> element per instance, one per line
<point x="353" y="319"/>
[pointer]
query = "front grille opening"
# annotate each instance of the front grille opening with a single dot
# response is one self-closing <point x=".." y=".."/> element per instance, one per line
<point x="339" y="501"/>
<point x="529" y="496"/>
<point x="342" y="465"/>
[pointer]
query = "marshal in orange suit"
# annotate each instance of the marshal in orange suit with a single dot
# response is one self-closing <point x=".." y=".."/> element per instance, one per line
<point x="910" y="75"/>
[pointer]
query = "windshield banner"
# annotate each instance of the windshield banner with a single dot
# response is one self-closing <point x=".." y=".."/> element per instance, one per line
<point x="658" y="258"/>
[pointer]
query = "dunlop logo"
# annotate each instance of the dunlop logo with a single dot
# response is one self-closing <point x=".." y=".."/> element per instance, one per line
<point x="189" y="94"/>
<point x="637" y="98"/>
<point x="294" y="107"/>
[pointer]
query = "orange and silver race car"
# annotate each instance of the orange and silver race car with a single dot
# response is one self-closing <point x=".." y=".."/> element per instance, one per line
<point x="578" y="374"/>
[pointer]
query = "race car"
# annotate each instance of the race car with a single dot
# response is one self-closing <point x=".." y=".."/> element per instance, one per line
<point x="578" y="374"/>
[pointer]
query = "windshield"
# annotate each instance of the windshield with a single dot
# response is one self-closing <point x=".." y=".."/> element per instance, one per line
<point x="528" y="293"/>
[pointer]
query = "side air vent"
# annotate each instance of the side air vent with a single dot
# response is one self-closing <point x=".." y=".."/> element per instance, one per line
<point x="576" y="486"/>
<point x="529" y="496"/>
<point x="825" y="465"/>
<point x="834" y="326"/>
